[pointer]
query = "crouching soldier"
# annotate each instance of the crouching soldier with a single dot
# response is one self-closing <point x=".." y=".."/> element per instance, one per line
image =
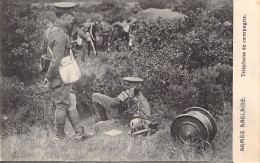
<point x="58" y="46"/>
<point x="137" y="105"/>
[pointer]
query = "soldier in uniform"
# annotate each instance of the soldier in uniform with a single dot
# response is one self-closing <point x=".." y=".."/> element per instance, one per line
<point x="79" y="38"/>
<point x="106" y="107"/>
<point x="58" y="46"/>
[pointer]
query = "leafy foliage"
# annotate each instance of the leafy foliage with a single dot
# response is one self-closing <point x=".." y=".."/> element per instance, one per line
<point x="21" y="40"/>
<point x="110" y="11"/>
<point x="184" y="63"/>
<point x="145" y="4"/>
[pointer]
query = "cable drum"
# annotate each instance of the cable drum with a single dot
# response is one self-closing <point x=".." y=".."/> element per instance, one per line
<point x="204" y="119"/>
<point x="193" y="125"/>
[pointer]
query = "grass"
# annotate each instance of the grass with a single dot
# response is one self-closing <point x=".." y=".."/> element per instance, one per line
<point x="37" y="145"/>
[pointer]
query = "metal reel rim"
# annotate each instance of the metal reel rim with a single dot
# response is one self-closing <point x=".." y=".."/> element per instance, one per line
<point x="207" y="113"/>
<point x="173" y="127"/>
<point x="185" y="142"/>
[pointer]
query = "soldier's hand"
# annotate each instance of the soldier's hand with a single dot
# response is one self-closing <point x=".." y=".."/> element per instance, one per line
<point x="123" y="96"/>
<point x="130" y="92"/>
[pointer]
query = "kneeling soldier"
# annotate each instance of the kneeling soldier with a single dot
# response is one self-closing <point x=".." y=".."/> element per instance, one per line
<point x="107" y="107"/>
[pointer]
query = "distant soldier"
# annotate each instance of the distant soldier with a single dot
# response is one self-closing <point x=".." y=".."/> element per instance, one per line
<point x="58" y="46"/>
<point x="106" y="107"/>
<point x="91" y="30"/>
<point x="79" y="38"/>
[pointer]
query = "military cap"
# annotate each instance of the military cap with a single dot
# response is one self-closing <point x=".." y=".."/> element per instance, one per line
<point x="64" y="7"/>
<point x="133" y="80"/>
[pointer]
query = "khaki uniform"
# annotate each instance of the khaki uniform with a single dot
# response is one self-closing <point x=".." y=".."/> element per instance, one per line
<point x="65" y="99"/>
<point x="58" y="41"/>
<point x="78" y="32"/>
<point x="58" y="46"/>
<point x="107" y="107"/>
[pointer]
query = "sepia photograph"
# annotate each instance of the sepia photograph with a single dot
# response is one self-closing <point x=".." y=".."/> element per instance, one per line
<point x="119" y="80"/>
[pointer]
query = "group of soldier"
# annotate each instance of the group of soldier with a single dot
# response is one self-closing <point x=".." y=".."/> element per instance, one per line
<point x="57" y="44"/>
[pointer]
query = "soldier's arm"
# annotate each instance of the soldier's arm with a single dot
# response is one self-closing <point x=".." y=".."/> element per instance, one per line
<point x="59" y="44"/>
<point x="119" y="99"/>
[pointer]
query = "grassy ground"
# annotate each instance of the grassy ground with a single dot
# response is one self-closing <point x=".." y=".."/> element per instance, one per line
<point x="37" y="144"/>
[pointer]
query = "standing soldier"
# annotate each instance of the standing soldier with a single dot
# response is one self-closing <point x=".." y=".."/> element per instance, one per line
<point x="79" y="38"/>
<point x="58" y="46"/>
<point x="107" y="107"/>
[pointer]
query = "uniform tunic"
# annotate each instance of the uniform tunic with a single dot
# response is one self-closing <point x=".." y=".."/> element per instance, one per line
<point x="58" y="41"/>
<point x="136" y="105"/>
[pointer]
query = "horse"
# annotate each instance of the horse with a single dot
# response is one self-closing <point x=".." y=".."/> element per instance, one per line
<point x="122" y="32"/>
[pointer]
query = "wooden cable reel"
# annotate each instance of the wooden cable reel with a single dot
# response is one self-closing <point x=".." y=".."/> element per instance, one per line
<point x="193" y="125"/>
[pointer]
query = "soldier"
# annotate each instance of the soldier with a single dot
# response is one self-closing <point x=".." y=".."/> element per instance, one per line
<point x="58" y="46"/>
<point x="107" y="107"/>
<point x="79" y="38"/>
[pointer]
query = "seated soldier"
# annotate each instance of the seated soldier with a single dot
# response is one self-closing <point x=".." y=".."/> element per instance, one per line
<point x="106" y="107"/>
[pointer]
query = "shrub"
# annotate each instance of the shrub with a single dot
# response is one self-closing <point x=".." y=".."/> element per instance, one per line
<point x="145" y="4"/>
<point x="110" y="11"/>
<point x="184" y="63"/>
<point x="21" y="40"/>
<point x="23" y="106"/>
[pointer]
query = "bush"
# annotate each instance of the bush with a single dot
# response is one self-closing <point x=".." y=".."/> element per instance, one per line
<point x="145" y="4"/>
<point x="21" y="43"/>
<point x="184" y="63"/>
<point x="196" y="69"/>
<point x="110" y="11"/>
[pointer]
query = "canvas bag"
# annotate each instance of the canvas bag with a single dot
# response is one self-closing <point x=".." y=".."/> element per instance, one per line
<point x="79" y="40"/>
<point x="69" y="69"/>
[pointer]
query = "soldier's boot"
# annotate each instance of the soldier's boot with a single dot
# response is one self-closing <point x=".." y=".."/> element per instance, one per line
<point x="60" y="119"/>
<point x="79" y="130"/>
<point x="100" y="112"/>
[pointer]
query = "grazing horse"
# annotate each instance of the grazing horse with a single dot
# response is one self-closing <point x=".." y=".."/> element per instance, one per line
<point x="122" y="31"/>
